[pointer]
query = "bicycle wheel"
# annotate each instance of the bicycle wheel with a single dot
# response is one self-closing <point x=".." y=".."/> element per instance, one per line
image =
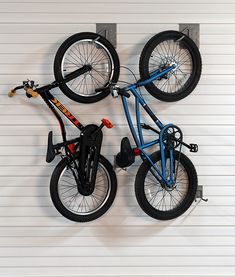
<point x="161" y="202"/>
<point x="163" y="50"/>
<point x="75" y="206"/>
<point x="86" y="49"/>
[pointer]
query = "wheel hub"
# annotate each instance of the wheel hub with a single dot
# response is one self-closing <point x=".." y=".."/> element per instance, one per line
<point x="167" y="62"/>
<point x="167" y="188"/>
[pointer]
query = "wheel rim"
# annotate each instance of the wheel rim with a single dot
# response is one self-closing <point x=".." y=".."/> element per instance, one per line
<point x="165" y="54"/>
<point x="79" y="204"/>
<point x="88" y="52"/>
<point x="161" y="198"/>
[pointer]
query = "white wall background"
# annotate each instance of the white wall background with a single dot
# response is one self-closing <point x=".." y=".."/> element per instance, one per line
<point x="34" y="239"/>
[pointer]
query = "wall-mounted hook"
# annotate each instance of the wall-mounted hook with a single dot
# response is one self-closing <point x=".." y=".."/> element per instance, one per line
<point x="109" y="31"/>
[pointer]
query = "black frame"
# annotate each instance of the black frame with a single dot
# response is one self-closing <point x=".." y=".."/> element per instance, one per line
<point x="89" y="147"/>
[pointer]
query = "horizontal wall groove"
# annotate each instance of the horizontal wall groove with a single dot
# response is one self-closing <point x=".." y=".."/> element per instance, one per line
<point x="122" y="1"/>
<point x="123" y="266"/>
<point x="104" y="256"/>
<point x="167" y="246"/>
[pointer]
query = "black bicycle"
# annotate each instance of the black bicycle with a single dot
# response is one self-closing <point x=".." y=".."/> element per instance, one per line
<point x="160" y="52"/>
<point x="83" y="184"/>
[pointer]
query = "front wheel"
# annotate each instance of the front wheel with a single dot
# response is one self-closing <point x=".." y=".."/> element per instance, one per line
<point x="155" y="198"/>
<point x="75" y="206"/>
<point x="161" y="52"/>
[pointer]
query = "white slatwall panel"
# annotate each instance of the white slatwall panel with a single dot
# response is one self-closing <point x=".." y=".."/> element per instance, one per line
<point x="34" y="239"/>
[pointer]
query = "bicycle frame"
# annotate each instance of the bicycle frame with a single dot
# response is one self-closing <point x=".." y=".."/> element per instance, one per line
<point x="138" y="135"/>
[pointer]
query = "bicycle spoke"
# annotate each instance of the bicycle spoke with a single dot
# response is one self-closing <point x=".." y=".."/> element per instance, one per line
<point x="99" y="74"/>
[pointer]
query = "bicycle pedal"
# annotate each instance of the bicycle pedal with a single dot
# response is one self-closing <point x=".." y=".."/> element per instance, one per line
<point x="193" y="147"/>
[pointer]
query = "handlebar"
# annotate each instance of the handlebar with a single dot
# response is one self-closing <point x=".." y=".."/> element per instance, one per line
<point x="12" y="92"/>
<point x="29" y="92"/>
<point x="33" y="91"/>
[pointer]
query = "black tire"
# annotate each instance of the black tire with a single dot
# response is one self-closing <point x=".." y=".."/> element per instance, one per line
<point x="86" y="48"/>
<point x="163" y="50"/>
<point x="71" y="211"/>
<point x="147" y="198"/>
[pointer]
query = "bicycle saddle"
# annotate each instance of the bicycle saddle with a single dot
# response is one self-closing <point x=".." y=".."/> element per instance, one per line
<point x="126" y="155"/>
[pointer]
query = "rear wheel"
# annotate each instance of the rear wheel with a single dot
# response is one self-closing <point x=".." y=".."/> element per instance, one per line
<point x="162" y="51"/>
<point x="78" y="207"/>
<point x="86" y="49"/>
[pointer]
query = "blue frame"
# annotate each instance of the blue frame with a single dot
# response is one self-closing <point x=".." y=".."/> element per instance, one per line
<point x="138" y="135"/>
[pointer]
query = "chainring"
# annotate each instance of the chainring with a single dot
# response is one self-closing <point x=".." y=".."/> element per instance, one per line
<point x="172" y="137"/>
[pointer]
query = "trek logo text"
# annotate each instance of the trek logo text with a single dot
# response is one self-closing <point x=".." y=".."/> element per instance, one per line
<point x="65" y="112"/>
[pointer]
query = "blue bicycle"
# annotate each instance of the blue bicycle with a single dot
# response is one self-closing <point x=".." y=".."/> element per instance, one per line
<point x="166" y="182"/>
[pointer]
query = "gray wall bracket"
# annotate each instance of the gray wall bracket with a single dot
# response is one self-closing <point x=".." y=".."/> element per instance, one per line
<point x="199" y="194"/>
<point x="109" y="31"/>
<point x="191" y="30"/>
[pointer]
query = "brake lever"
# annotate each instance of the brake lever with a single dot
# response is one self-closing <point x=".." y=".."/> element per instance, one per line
<point x="30" y="84"/>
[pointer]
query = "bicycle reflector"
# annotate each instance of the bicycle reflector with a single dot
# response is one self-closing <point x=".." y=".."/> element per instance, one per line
<point x="107" y="123"/>
<point x="71" y="148"/>
<point x="136" y="152"/>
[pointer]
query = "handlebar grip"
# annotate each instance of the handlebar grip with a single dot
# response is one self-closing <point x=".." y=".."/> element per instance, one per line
<point x="11" y="93"/>
<point x="31" y="93"/>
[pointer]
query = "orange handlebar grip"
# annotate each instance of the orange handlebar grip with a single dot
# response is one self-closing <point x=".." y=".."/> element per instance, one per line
<point x="11" y="93"/>
<point x="32" y="92"/>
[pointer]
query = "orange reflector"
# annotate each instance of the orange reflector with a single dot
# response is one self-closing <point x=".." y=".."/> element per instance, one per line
<point x="107" y="123"/>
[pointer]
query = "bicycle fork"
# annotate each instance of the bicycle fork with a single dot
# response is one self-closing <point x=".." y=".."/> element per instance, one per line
<point x="170" y="138"/>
